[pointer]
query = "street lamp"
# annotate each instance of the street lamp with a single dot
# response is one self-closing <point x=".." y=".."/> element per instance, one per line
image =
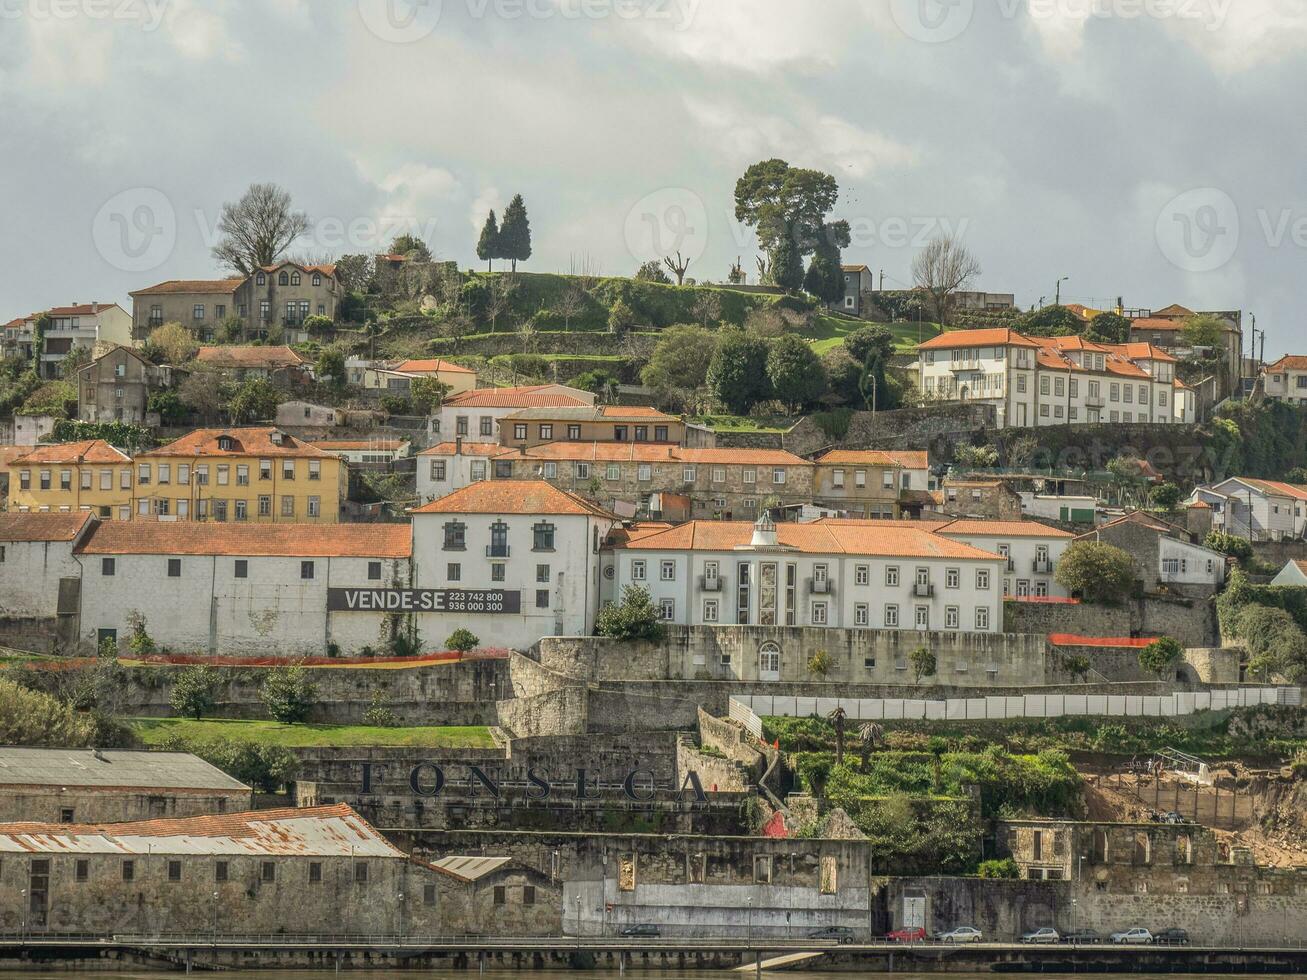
<point x="578" y="921"/>
<point x="1058" y="300"/>
<point x="215" y="918"/>
<point x="750" y="932"/>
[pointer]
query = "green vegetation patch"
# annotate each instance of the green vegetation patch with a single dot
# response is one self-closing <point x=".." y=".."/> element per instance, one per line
<point x="828" y="330"/>
<point x="162" y="731"/>
<point x="743" y="423"/>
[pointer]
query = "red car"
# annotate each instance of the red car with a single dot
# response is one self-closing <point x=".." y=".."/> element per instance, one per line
<point x="917" y="935"/>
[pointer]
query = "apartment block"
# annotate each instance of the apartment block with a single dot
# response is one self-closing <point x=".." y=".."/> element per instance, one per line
<point x="79" y="327"/>
<point x="1286" y="379"/>
<point x="531" y="427"/>
<point x="69" y="477"/>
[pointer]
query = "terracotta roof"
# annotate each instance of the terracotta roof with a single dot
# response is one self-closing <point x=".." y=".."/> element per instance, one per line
<point x="536" y="396"/>
<point x="512" y="497"/>
<point x="1140" y="351"/>
<point x="83" y="309"/>
<point x="879" y="538"/>
<point x="224" y="286"/>
<point x="88" y="451"/>
<point x="250" y="357"/>
<point x="250" y="540"/>
<point x="1290" y="362"/>
<point x="469" y="449"/>
<point x="1200" y="505"/>
<point x="322" y="831"/>
<point x="378" y="445"/>
<point x="907" y="459"/>
<point x="251" y="441"/>
<point x="1175" y="309"/>
<point x="655" y="452"/>
<point x="10" y="453"/>
<point x="989" y="337"/>
<point x="1003" y="529"/>
<point x="1300" y="565"/>
<point x="854" y="268"/>
<point x="432" y="366"/>
<point x="42" y="527"/>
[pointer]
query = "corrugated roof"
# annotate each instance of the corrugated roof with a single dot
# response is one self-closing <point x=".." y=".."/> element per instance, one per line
<point x="469" y="868"/>
<point x="250" y="540"/>
<point x="111" y="768"/>
<point x="325" y="831"/>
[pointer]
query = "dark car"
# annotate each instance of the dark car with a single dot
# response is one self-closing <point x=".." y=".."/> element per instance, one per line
<point x="1171" y="937"/>
<point x="642" y="932"/>
<point x="1082" y="937"/>
<point x="839" y="934"/>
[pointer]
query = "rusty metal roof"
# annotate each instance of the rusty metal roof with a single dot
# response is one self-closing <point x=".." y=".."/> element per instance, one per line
<point x="325" y="831"/>
<point x="111" y="768"/>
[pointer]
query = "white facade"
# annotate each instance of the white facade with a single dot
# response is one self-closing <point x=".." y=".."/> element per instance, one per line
<point x="1183" y="563"/>
<point x="836" y="580"/>
<point x="36" y="553"/>
<point x="448" y="467"/>
<point x="1039" y="381"/>
<point x="475" y="415"/>
<point x="1261" y="510"/>
<point x="1031" y="552"/>
<point x="1286" y="380"/>
<point x="1059" y="507"/>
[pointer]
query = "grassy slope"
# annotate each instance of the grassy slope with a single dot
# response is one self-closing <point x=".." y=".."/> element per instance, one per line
<point x="830" y="329"/>
<point x="155" y="731"/>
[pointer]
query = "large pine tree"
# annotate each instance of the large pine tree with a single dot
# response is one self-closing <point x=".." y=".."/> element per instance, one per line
<point x="488" y="247"/>
<point x="515" y="233"/>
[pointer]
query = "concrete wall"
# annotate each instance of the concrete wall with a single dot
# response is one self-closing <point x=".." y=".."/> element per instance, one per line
<point x="47" y="804"/>
<point x="30" y="572"/>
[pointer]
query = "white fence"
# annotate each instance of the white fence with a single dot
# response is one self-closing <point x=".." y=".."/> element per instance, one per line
<point x="1025" y="706"/>
<point x="744" y="715"/>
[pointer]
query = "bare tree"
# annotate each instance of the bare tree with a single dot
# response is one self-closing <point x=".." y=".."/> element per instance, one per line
<point x="678" y="268"/>
<point x="572" y="301"/>
<point x="941" y="269"/>
<point x="763" y="263"/>
<point x="257" y="229"/>
<point x="500" y="300"/>
<point x="708" y="307"/>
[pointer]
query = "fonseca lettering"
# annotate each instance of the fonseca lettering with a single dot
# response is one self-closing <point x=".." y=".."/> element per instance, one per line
<point x="429" y="780"/>
<point x="473" y="601"/>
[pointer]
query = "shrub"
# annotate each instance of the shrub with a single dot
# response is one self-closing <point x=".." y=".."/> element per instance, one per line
<point x="379" y="713"/>
<point x="462" y="640"/>
<point x="1160" y="656"/>
<point x="1000" y="868"/>
<point x="1099" y="573"/>
<point x="820" y="663"/>
<point x="140" y="642"/>
<point x="288" y="694"/>
<point x="1229" y="544"/>
<point x="923" y="663"/>
<point x="634" y="618"/>
<point x="33" y="718"/>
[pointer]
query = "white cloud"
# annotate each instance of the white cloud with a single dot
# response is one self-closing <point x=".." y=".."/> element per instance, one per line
<point x="489" y="199"/>
<point x="201" y="32"/>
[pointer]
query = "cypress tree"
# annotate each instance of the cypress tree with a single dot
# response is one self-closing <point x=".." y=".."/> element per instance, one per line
<point x="515" y="232"/>
<point x="488" y="247"/>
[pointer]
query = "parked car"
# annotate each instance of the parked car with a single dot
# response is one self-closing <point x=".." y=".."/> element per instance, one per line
<point x="1044" y="935"/>
<point x="641" y="931"/>
<point x="917" y="935"/>
<point x="1082" y="937"/>
<point x="840" y="934"/>
<point x="962" y="934"/>
<point x="1136" y="936"/>
<point x="1171" y="937"/>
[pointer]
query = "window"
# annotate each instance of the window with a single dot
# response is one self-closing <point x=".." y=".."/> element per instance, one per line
<point x="613" y="472"/>
<point x="638" y="570"/>
<point x="819" y="614"/>
<point x="892" y="616"/>
<point x="360" y="872"/>
<point x="837" y="479"/>
<point x="542" y="598"/>
<point x="197" y="312"/>
<point x="892" y="576"/>
<point x="242" y="510"/>
<point x="750" y="476"/>
<point x="129" y="871"/>
<point x="982" y="617"/>
<point x="710" y="610"/>
<point x="454" y="571"/>
<point x="778" y="476"/>
<point x="374" y="571"/>
<point x="455" y="536"/>
<point x="83" y="870"/>
<point x="951" y="617"/>
<point x="288" y="469"/>
<point x="174" y="871"/>
<point x="519" y="431"/>
<point x="503" y="469"/>
<point x="861" y="614"/>
<point x="644" y="473"/>
<point x="108" y="566"/>
<point x="241" y="569"/>
<point x="428" y="894"/>
<point x="306" y="570"/>
<point x="667" y="570"/>
<point x="498" y="571"/>
<point x="174" y="568"/>
<point x="546" y="432"/>
<point x="952" y="578"/>
<point x="85" y="479"/>
<point x="923" y="617"/>
<point x="287" y="506"/>
<point x="143" y="474"/>
<point x="66" y="815"/>
<point x="268" y="871"/>
<point x="982" y="579"/>
<point x="862" y="575"/>
<point x="438" y="470"/>
<point x="314" y="506"/>
<point x="719" y="474"/>
<point x="500" y="895"/>
<point x="542" y="537"/>
<point x="315" y="469"/>
<point x="583" y="471"/>
<point x="667" y="610"/>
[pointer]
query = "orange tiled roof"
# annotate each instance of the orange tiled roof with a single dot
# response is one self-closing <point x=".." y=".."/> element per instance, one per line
<point x="634" y="412"/>
<point x="512" y="497"/>
<point x="1175" y="309"/>
<point x="1139" y="351"/>
<point x="989" y="337"/>
<point x="907" y="459"/>
<point x="653" y="452"/>
<point x="1016" y="529"/>
<point x="251" y="441"/>
<point x="88" y="451"/>
<point x="879" y="538"/>
<point x="42" y="527"/>
<point x="250" y="357"/>
<point x="1290" y="362"/>
<point x="432" y="366"/>
<point x="469" y="449"/>
<point x="224" y="286"/>
<point x="83" y="309"/>
<point x="535" y="396"/>
<point x="250" y="540"/>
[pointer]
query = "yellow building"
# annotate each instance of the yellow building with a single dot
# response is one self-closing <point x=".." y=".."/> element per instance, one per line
<point x="257" y="474"/>
<point x="72" y="476"/>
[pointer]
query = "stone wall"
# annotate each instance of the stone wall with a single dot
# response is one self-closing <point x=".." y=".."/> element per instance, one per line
<point x="1191" y="622"/>
<point x="115" y="804"/>
<point x="564" y="711"/>
<point x="1280" y="553"/>
<point x="908" y="428"/>
<point x="33" y="634"/>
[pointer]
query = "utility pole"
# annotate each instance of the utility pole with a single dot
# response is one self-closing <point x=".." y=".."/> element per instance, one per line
<point x="1058" y="300"/>
<point x="882" y="280"/>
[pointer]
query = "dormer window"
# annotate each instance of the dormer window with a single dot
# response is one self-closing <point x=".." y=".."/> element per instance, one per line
<point x="283" y="279"/>
<point x="226" y="443"/>
<point x="294" y="278"/>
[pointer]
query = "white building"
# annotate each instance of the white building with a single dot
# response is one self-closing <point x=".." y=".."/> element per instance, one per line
<point x="1039" y="381"/>
<point x="843" y="574"/>
<point x="77" y="327"/>
<point x="1286" y="379"/>
<point x="1260" y="510"/>
<point x="374" y="450"/>
<point x="36" y="554"/>
<point x="1059" y="507"/>
<point x="453" y="465"/>
<point x="1031" y="551"/>
<point x="516" y="560"/>
<point x="475" y="414"/>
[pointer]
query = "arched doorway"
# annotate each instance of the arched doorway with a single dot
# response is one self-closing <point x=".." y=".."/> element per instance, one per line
<point x="769" y="662"/>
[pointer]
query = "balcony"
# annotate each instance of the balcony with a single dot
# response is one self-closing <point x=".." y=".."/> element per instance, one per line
<point x="1043" y="566"/>
<point x="1011" y="565"/>
<point x="820" y="587"/>
<point x="923" y="590"/>
<point x="972" y="364"/>
<point x="714" y="584"/>
<point x="1095" y="401"/>
<point x="498" y="551"/>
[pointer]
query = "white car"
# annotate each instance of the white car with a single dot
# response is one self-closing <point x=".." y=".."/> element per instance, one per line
<point x="1044" y="935"/>
<point x="962" y="934"/>
<point x="1138" y="937"/>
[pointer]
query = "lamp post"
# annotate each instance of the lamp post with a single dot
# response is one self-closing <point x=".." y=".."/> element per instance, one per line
<point x="1058" y="300"/>
<point x="215" y="917"/>
<point x="578" y="921"/>
<point x="22" y="896"/>
<point x="750" y="927"/>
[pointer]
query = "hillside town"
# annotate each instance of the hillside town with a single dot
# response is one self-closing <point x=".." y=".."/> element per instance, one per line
<point x="485" y="598"/>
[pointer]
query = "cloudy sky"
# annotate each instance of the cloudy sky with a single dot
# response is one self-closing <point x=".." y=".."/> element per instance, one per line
<point x="1147" y="149"/>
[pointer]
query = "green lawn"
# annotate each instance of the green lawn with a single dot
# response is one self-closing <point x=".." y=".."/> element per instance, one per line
<point x="156" y="731"/>
<point x="830" y="329"/>
<point x="742" y="423"/>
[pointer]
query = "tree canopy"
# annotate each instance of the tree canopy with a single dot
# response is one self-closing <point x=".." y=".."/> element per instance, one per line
<point x="258" y="229"/>
<point x="795" y="372"/>
<point x="488" y="243"/>
<point x="679" y="364"/>
<point x="1099" y="573"/>
<point x="738" y="372"/>
<point x="515" y="233"/>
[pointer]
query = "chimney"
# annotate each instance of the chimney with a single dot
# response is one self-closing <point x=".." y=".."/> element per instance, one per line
<point x="95" y="307"/>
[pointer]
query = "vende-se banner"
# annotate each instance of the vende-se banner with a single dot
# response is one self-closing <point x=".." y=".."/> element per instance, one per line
<point x="424" y="600"/>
